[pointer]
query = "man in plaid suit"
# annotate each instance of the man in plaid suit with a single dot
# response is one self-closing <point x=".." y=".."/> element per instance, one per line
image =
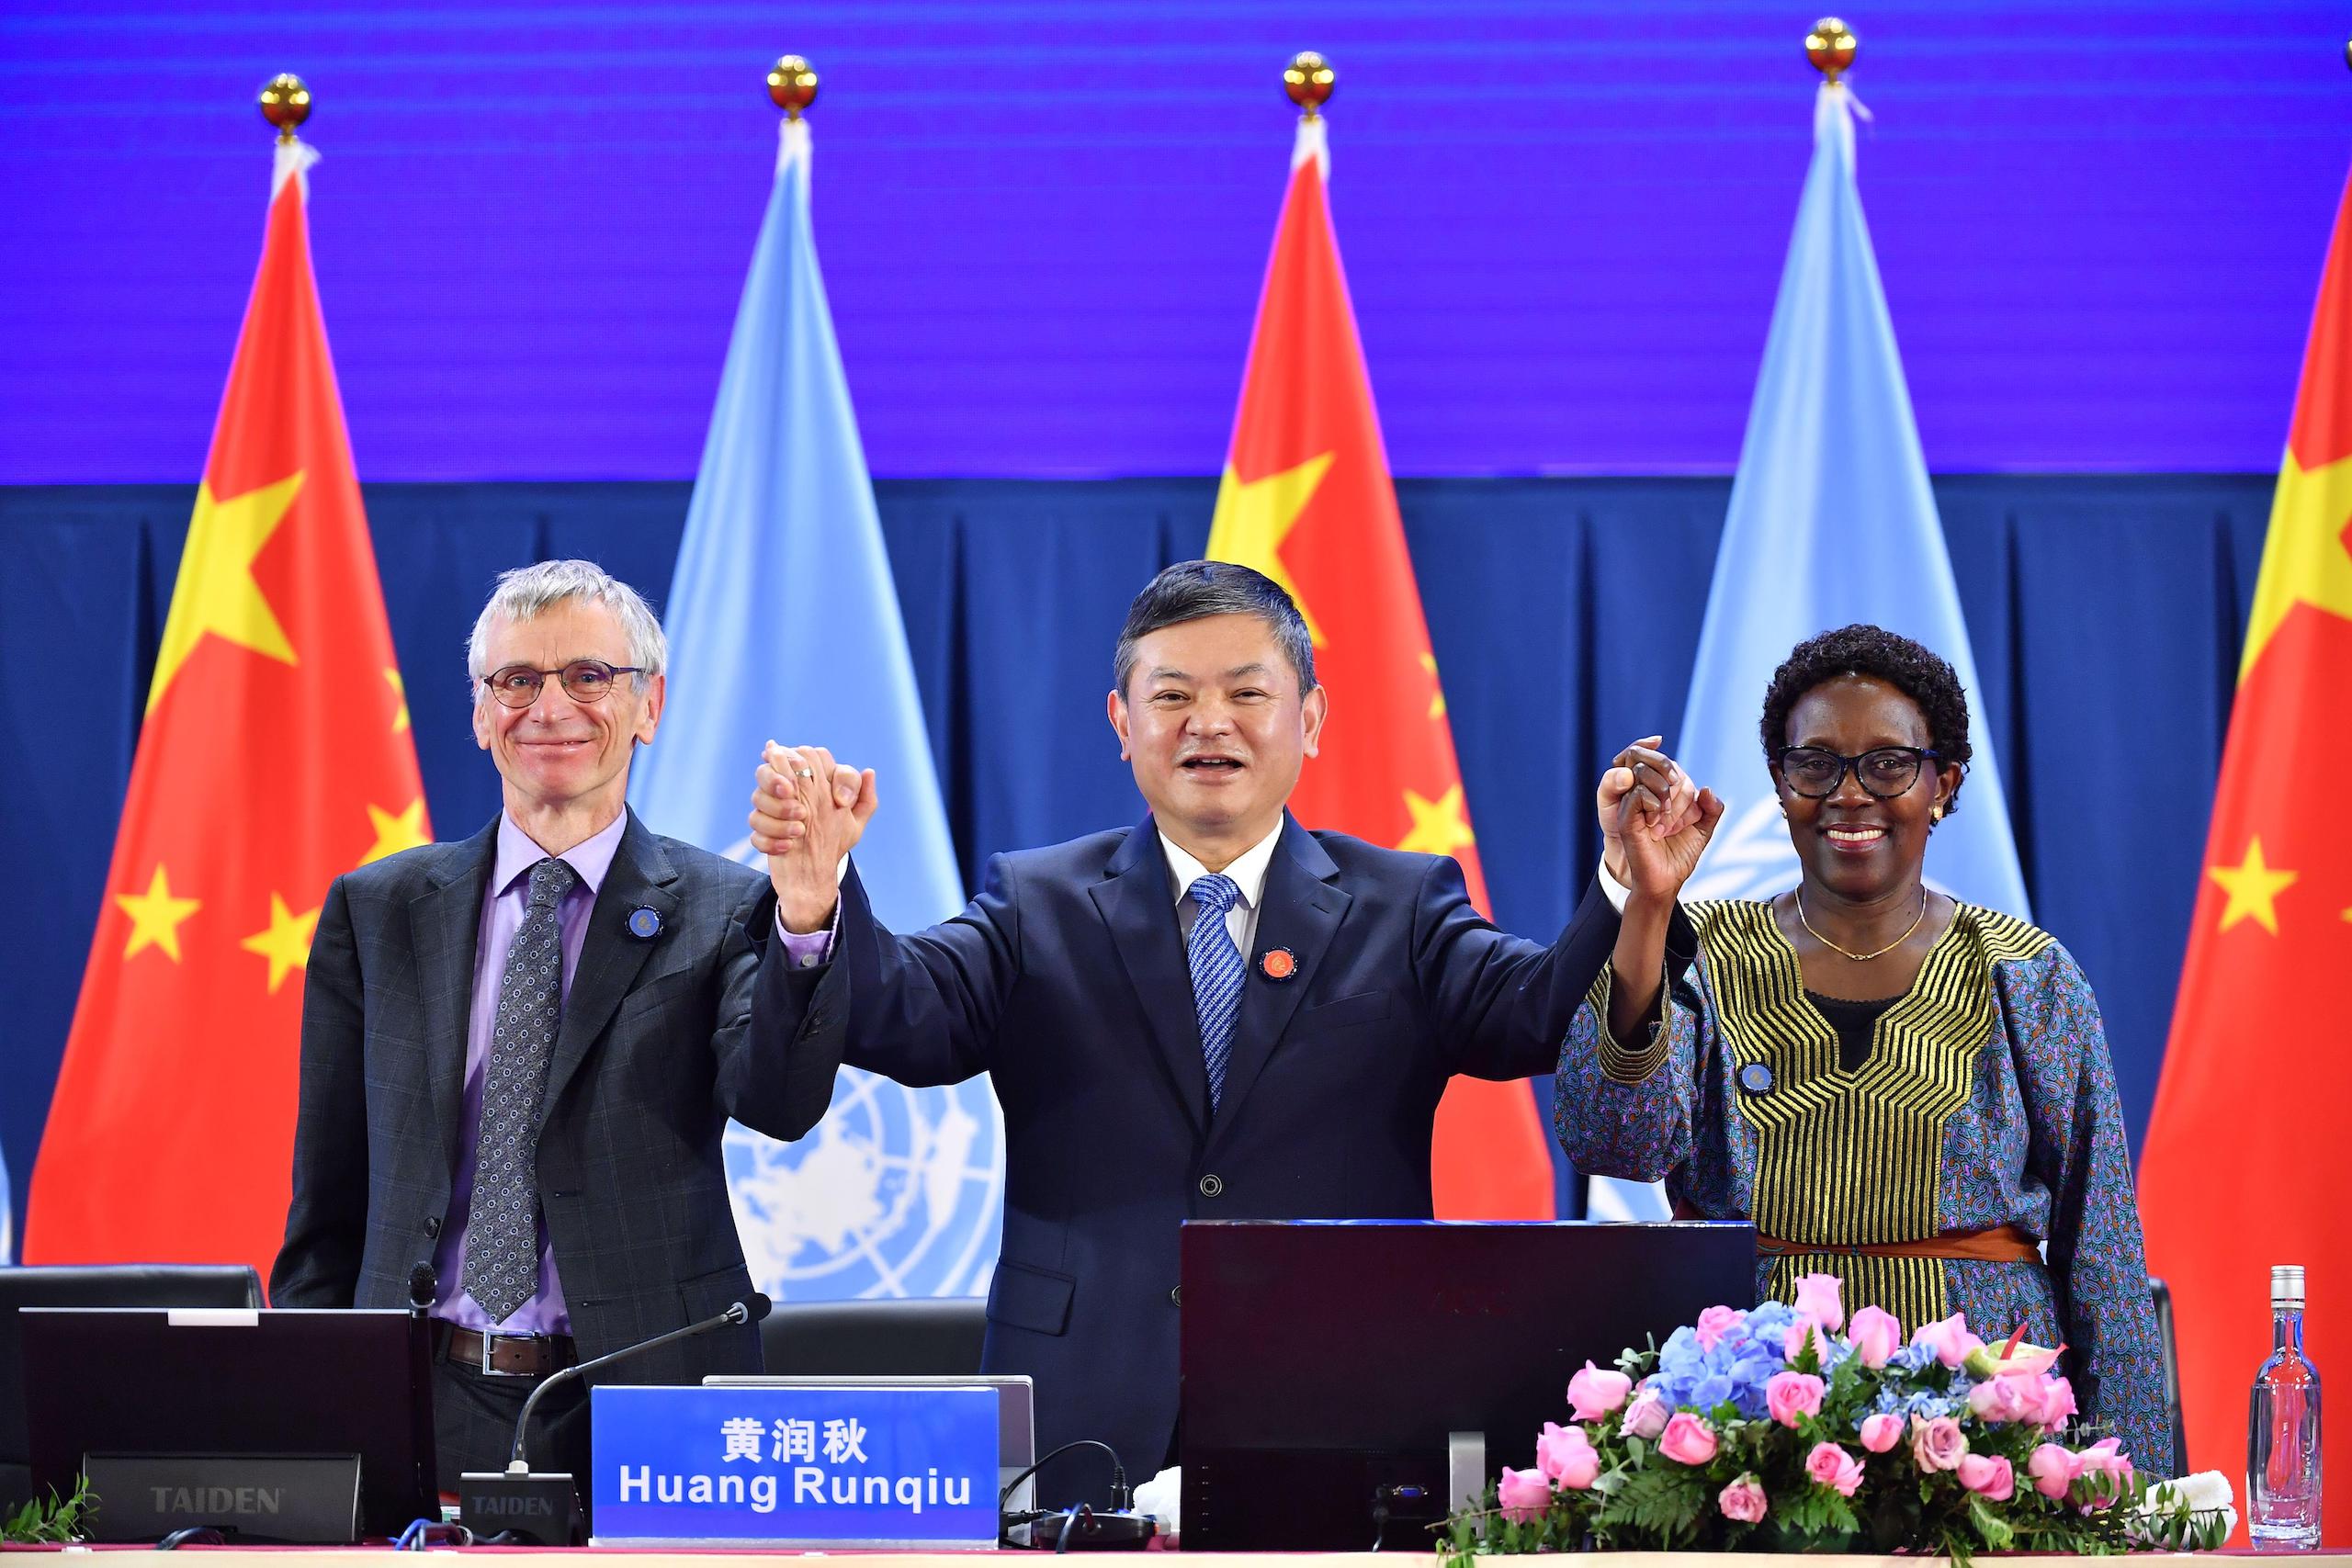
<point x="520" y="1051"/>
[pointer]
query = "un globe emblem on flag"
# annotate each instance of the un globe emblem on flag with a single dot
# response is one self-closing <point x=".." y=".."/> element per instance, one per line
<point x="899" y="1192"/>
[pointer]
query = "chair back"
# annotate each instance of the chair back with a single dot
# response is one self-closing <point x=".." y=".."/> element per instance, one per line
<point x="2168" y="1356"/>
<point x="924" y="1337"/>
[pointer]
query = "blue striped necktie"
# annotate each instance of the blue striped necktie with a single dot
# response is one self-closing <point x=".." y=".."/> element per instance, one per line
<point x="1216" y="974"/>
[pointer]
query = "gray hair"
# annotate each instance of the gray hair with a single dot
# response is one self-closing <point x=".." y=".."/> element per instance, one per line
<point x="527" y="591"/>
<point x="1194" y="589"/>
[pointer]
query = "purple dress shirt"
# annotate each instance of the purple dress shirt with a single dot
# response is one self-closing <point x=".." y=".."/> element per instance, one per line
<point x="502" y="915"/>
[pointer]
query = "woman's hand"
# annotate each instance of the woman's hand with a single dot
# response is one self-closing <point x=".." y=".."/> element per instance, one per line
<point x="1654" y="821"/>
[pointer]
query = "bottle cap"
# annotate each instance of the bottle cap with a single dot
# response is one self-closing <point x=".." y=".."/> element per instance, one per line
<point x="2286" y="1286"/>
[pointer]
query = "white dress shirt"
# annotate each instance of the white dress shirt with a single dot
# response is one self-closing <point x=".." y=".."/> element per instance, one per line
<point x="1248" y="872"/>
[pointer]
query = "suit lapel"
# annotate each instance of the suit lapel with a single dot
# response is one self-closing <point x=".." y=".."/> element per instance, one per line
<point x="1139" y="907"/>
<point x="444" y="930"/>
<point x="1299" y="908"/>
<point x="610" y="958"/>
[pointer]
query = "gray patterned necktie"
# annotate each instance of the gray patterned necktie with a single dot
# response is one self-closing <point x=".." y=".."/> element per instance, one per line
<point x="502" y="1265"/>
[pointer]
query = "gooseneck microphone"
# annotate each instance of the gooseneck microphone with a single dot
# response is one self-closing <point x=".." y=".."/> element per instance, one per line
<point x="751" y="1309"/>
<point x="516" y="1504"/>
<point x="423" y="1285"/>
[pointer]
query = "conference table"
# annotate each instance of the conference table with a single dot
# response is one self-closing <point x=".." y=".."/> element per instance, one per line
<point x="617" y="1557"/>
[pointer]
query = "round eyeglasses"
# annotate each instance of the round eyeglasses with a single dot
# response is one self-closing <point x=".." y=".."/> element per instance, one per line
<point x="1885" y="773"/>
<point x="585" y="681"/>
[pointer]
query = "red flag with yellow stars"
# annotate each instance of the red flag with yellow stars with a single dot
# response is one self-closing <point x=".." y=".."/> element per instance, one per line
<point x="1306" y="499"/>
<point x="275" y="755"/>
<point x="2247" y="1165"/>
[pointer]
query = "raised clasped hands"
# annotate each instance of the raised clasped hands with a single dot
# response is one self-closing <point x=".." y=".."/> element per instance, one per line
<point x="807" y="811"/>
<point x="1654" y="820"/>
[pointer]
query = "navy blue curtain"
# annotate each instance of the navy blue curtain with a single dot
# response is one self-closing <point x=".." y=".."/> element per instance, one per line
<point x="2107" y="614"/>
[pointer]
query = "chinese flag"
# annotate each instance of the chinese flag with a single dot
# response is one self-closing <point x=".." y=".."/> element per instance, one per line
<point x="2247" y="1161"/>
<point x="1306" y="499"/>
<point x="274" y="754"/>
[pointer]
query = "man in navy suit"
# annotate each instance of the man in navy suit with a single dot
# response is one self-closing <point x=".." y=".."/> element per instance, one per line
<point x="1216" y="1014"/>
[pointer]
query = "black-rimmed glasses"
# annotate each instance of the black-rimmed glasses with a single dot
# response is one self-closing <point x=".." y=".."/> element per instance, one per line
<point x="585" y="681"/>
<point x="1885" y="772"/>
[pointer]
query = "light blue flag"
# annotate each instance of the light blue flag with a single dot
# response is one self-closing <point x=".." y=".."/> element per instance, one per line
<point x="784" y="625"/>
<point x="1831" y="522"/>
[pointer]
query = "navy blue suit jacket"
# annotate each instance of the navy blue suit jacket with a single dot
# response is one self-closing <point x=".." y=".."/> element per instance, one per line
<point x="1066" y="981"/>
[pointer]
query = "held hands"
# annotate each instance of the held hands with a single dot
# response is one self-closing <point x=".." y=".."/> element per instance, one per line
<point x="1654" y="820"/>
<point x="806" y="812"/>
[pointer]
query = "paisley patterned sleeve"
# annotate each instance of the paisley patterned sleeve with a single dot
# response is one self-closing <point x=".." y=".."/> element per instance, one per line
<point x="1623" y="1108"/>
<point x="2098" y="1263"/>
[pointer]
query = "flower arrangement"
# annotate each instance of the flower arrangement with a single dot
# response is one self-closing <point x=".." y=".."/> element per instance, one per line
<point x="1789" y="1428"/>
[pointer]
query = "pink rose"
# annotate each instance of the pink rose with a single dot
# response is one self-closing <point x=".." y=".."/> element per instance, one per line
<point x="1949" y="1339"/>
<point x="2052" y="1469"/>
<point x="1567" y="1456"/>
<point x="1713" y="1324"/>
<point x="1818" y="1297"/>
<point x="2011" y="1396"/>
<point x="2057" y="1403"/>
<point x="1687" y="1439"/>
<point x="1990" y="1478"/>
<point x="1792" y="1342"/>
<point x="1523" y="1494"/>
<point x="1831" y="1466"/>
<point x="2107" y="1470"/>
<point x="1742" y="1500"/>
<point x="1876" y="1336"/>
<point x="1790" y="1397"/>
<point x="1936" y="1444"/>
<point x="1646" y="1417"/>
<point x="1882" y="1432"/>
<point x="1594" y="1393"/>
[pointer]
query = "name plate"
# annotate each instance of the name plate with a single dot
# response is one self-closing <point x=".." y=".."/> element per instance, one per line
<point x="795" y="1467"/>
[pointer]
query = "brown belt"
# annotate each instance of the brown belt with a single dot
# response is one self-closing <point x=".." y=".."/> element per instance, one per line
<point x="1995" y="1244"/>
<point x="504" y="1355"/>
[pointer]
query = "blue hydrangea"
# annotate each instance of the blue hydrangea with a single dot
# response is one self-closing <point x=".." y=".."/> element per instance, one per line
<point x="1894" y="1401"/>
<point x="1734" y="1372"/>
<point x="1912" y="1359"/>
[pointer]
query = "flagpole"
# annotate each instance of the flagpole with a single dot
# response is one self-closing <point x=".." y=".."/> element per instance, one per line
<point x="792" y="82"/>
<point x="1309" y="79"/>
<point x="286" y="103"/>
<point x="1830" y="46"/>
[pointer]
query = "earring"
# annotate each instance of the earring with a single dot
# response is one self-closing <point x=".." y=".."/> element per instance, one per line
<point x="1937" y="814"/>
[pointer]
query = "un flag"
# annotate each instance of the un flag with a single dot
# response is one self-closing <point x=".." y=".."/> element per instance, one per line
<point x="784" y="625"/>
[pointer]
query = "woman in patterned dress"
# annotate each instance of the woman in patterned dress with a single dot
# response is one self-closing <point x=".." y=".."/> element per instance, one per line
<point x="1906" y="1092"/>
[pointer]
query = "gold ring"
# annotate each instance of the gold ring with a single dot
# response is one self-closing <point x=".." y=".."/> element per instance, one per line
<point x="806" y="773"/>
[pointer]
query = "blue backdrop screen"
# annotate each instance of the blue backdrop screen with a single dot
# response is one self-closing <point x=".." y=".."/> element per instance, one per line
<point x="1044" y="225"/>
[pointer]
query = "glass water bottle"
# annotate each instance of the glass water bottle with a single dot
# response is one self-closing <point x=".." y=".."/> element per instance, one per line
<point x="2282" y="1430"/>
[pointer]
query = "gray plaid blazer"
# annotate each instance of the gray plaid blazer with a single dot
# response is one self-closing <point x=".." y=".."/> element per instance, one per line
<point x="657" y="1048"/>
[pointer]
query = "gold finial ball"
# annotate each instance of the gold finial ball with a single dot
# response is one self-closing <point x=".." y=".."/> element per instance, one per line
<point x="1309" y="79"/>
<point x="1830" y="47"/>
<point x="792" y="85"/>
<point x="286" y="103"/>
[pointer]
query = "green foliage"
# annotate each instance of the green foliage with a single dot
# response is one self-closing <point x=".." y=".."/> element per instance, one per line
<point x="57" y="1521"/>
<point x="1657" y="1507"/>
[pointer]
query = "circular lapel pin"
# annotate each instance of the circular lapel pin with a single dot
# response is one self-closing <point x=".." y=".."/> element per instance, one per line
<point x="1278" y="964"/>
<point x="645" y="922"/>
<point x="1755" y="1078"/>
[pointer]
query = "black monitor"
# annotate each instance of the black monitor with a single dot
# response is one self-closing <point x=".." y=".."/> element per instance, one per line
<point x="91" y="1285"/>
<point x="288" y="1425"/>
<point x="1327" y="1364"/>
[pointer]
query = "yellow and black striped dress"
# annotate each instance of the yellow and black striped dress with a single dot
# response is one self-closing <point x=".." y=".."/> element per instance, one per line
<point x="1986" y="1098"/>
